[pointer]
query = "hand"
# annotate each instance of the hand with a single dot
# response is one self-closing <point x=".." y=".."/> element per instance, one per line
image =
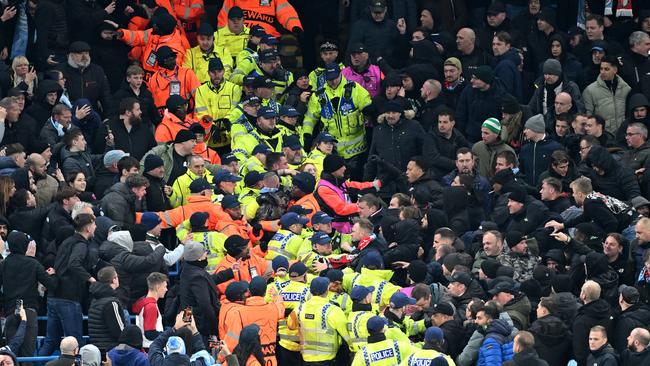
<point x="420" y="252"/>
<point x="319" y="266"/>
<point x="188" y="237"/>
<point x="112" y="23"/>
<point x="50" y="60"/>
<point x="192" y="326"/>
<point x="401" y="26"/>
<point x="31" y="249"/>
<point x="3" y="114"/>
<point x="608" y="22"/>
<point x="23" y="314"/>
<point x="346" y="247"/>
<point x="401" y="264"/>
<point x="257" y="228"/>
<point x="110" y="8"/>
<point x="128" y="10"/>
<point x="59" y="175"/>
<point x="377" y="184"/>
<point x="439" y="47"/>
<point x="392" y="245"/>
<point x="639" y="171"/>
<point x="31" y="75"/>
<point x="235" y="266"/>
<point x="92" y="280"/>
<point x="290" y="172"/>
<point x="107" y="362"/>
<point x="560" y="236"/>
<point x="168" y="190"/>
<point x="179" y="323"/>
<point x="304" y="96"/>
<point x="110" y="139"/>
<point x="345" y="3"/>
<point x="4" y="53"/>
<point x="401" y="92"/>
<point x="8" y="13"/>
<point x="224" y="349"/>
<point x="2" y="246"/>
<point x="51" y="271"/>
<point x="82" y="112"/>
<point x="555" y="225"/>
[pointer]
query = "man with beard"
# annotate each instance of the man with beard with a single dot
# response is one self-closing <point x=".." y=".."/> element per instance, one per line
<point x="129" y="133"/>
<point x="45" y="183"/>
<point x="174" y="120"/>
<point x="85" y="79"/>
<point x="454" y="81"/>
<point x="210" y="109"/>
<point x="265" y="132"/>
<point x="17" y="128"/>
<point x="637" y="106"/>
<point x="135" y="88"/>
<point x="171" y="79"/>
<point x="637" y="352"/>
<point x="270" y="66"/>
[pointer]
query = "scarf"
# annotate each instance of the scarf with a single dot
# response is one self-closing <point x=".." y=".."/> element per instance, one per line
<point x="644" y="277"/>
<point x="623" y="8"/>
<point x="452" y="86"/>
<point x="60" y="131"/>
<point x="366" y="241"/>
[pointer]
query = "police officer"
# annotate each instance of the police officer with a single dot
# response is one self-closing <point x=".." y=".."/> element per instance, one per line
<point x="358" y="318"/>
<point x="400" y="325"/>
<point x="338" y="106"/>
<point x="197" y="58"/>
<point x="294" y="294"/>
<point x="322" y="222"/>
<point x="212" y="240"/>
<point x="336" y="295"/>
<point x="322" y="326"/>
<point x="289" y="121"/>
<point x="265" y="132"/>
<point x="317" y="259"/>
<point x="256" y="162"/>
<point x="381" y="351"/>
<point x="214" y="99"/>
<point x="248" y="58"/>
<point x="287" y="241"/>
<point x="428" y="354"/>
<point x="329" y="52"/>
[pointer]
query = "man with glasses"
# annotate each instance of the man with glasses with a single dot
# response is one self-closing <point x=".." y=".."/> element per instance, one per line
<point x="638" y="153"/>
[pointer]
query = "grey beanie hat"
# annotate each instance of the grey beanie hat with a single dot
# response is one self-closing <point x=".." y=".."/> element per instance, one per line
<point x="193" y="251"/>
<point x="553" y="67"/>
<point x="536" y="124"/>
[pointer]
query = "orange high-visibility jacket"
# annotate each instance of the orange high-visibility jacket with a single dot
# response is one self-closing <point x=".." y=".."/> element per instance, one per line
<point x="160" y="81"/>
<point x="187" y="12"/>
<point x="248" y="268"/>
<point x="256" y="311"/>
<point x="174" y="217"/>
<point x="309" y="202"/>
<point x="263" y="13"/>
<point x="167" y="129"/>
<point x="145" y="44"/>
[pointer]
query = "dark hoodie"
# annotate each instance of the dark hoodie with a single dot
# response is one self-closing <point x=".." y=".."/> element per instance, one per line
<point x="455" y="202"/>
<point x="636" y="316"/>
<point x="40" y="110"/>
<point x="551" y="335"/>
<point x="89" y="125"/>
<point x="597" y="269"/>
<point x="604" y="356"/>
<point x="24" y="286"/>
<point x="571" y="67"/>
<point x="617" y="181"/>
<point x="635" y="101"/>
<point x="631" y="358"/>
<point x="597" y="312"/>
<point x="407" y="237"/>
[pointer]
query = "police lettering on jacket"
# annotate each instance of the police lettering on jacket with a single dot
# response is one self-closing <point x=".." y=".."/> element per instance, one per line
<point x="382" y="354"/>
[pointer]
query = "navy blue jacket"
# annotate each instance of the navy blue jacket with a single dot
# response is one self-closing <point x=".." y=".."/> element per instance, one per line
<point x="534" y="158"/>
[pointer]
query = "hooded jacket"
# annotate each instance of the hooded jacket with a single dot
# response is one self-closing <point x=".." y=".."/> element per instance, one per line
<point x="551" y="334"/>
<point x="610" y="104"/>
<point x="539" y="100"/>
<point x="40" y="110"/>
<point x="604" y="356"/>
<point x="618" y="181"/>
<point x="631" y="358"/>
<point x="475" y="106"/>
<point x="638" y="315"/>
<point x="635" y="101"/>
<point x="519" y="310"/>
<point x="497" y="345"/>
<point x="597" y="312"/>
<point x="455" y="203"/>
<point x="81" y="161"/>
<point x="571" y="66"/>
<point x="534" y="158"/>
<point x="430" y="186"/>
<point x="598" y="270"/>
<point x="131" y="268"/>
<point x="380" y="38"/>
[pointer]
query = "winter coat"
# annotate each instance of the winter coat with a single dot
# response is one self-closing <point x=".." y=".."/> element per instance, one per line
<point x="52" y="34"/>
<point x="527" y="357"/>
<point x="396" y="144"/>
<point x="455" y="203"/>
<point x="428" y="113"/>
<point x="597" y="312"/>
<point x="454" y="337"/>
<point x="497" y="344"/>
<point x="519" y="311"/>
<point x="598" y="270"/>
<point x="461" y="302"/>
<point x="631" y="358"/>
<point x="470" y="352"/>
<point x="135" y="142"/>
<point x="40" y="110"/>
<point x="128" y="356"/>
<point x="595" y="210"/>
<point x="119" y="205"/>
<point x="105" y="316"/>
<point x="568" y="305"/>
<point x="551" y="335"/>
<point x="635" y="66"/>
<point x="604" y="356"/>
<point x="599" y="99"/>
<point x="428" y="185"/>
<point x="486" y="155"/>
<point x="534" y="158"/>
<point x="30" y="221"/>
<point x="21" y="131"/>
<point x="476" y="106"/>
<point x="156" y="198"/>
<point x="539" y="100"/>
<point x="379" y="38"/>
<point x="81" y="161"/>
<point x="198" y="291"/>
<point x="89" y="83"/>
<point x="638" y="315"/>
<point x="505" y="68"/>
<point x="131" y="268"/>
<point x="150" y="114"/>
<point x="447" y="147"/>
<point x="72" y="267"/>
<point x="636" y="100"/>
<point x="618" y="181"/>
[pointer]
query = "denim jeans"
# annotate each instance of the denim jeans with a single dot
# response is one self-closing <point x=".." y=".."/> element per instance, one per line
<point x="64" y="318"/>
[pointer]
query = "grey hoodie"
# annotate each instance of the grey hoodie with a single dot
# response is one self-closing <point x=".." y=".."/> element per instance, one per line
<point x="123" y="239"/>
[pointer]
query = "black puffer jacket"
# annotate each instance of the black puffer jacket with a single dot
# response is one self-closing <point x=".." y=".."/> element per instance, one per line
<point x="198" y="291"/>
<point x="551" y="335"/>
<point x="597" y="312"/>
<point x="617" y="181"/>
<point x="52" y="36"/>
<point x="105" y="316"/>
<point x="81" y="161"/>
<point x="636" y="100"/>
<point x="119" y="205"/>
<point x="132" y="269"/>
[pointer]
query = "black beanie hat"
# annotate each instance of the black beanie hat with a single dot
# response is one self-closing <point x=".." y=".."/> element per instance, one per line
<point x="152" y="162"/>
<point x="418" y="271"/>
<point x="490" y="266"/>
<point x="332" y="163"/>
<point x="132" y="336"/>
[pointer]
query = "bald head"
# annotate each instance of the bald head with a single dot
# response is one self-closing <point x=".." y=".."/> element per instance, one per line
<point x="642" y="230"/>
<point x="37" y="164"/>
<point x="465" y="39"/>
<point x="69" y="346"/>
<point x="590" y="291"/>
<point x="642" y="335"/>
<point x="563" y="103"/>
<point x="431" y="89"/>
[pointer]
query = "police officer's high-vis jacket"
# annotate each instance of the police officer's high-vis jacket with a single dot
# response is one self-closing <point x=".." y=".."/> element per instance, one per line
<point x="340" y="111"/>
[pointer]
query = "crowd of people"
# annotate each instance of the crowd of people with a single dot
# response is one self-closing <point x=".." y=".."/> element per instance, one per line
<point x="354" y="182"/>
